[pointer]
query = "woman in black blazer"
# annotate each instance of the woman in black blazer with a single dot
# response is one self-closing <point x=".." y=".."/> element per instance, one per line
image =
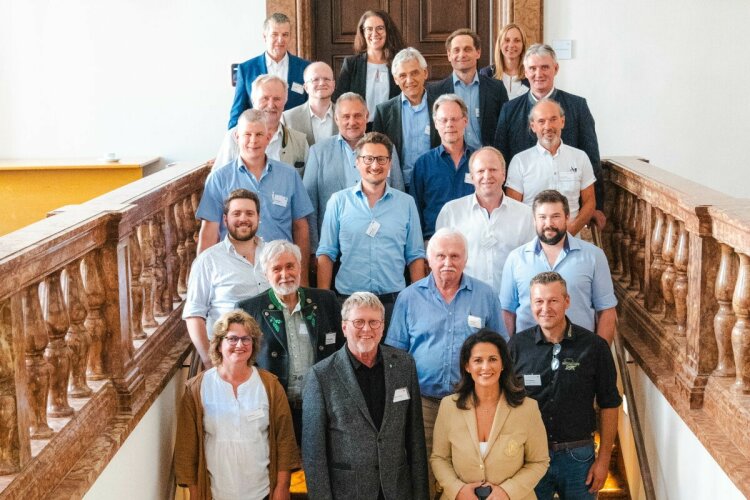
<point x="368" y="72"/>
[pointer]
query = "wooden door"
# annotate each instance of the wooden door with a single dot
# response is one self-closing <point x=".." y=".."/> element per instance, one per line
<point x="425" y="25"/>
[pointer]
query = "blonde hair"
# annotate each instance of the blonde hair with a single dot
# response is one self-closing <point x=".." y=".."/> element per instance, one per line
<point x="499" y="61"/>
<point x="221" y="328"/>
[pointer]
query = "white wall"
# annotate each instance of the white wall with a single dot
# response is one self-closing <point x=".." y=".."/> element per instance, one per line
<point x="665" y="80"/>
<point x="136" y="77"/>
<point x="141" y="467"/>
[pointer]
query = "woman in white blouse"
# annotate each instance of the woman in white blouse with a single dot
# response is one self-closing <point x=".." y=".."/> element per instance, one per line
<point x="489" y="434"/>
<point x="234" y="430"/>
<point x="510" y="48"/>
<point x="368" y="72"/>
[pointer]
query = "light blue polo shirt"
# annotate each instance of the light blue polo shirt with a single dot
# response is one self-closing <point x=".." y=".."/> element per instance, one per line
<point x="415" y="129"/>
<point x="470" y="95"/>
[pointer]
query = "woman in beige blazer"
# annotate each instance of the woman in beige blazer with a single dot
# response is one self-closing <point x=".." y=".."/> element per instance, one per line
<point x="488" y="433"/>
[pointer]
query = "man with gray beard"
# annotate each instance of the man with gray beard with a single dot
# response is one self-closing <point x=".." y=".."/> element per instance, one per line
<point x="300" y="326"/>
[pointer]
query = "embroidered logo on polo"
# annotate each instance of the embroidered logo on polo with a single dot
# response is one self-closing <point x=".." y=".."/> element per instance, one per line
<point x="570" y="365"/>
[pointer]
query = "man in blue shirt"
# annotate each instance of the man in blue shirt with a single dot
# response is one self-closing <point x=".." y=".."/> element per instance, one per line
<point x="434" y="316"/>
<point x="583" y="266"/>
<point x="442" y="174"/>
<point x="373" y="229"/>
<point x="284" y="204"/>
<point x="407" y="118"/>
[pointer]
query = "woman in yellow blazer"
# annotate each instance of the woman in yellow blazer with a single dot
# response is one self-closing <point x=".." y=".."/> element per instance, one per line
<point x="488" y="434"/>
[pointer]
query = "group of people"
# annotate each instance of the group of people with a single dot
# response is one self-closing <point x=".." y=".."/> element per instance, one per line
<point x="373" y="289"/>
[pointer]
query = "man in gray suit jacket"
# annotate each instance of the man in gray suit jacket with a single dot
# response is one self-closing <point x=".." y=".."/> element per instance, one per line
<point x="314" y="118"/>
<point x="362" y="417"/>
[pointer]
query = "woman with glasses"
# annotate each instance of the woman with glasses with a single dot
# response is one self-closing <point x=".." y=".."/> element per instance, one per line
<point x="489" y="439"/>
<point x="368" y="72"/>
<point x="234" y="427"/>
<point x="510" y="48"/>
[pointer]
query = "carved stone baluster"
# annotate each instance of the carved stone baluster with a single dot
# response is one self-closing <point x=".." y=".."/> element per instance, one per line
<point x="617" y="215"/>
<point x="96" y="326"/>
<point x="57" y="353"/>
<point x="77" y="338"/>
<point x="160" y="268"/>
<point x="147" y="274"/>
<point x="136" y="288"/>
<point x="179" y="225"/>
<point x="37" y="369"/>
<point x="741" y="330"/>
<point x="635" y="222"/>
<point x="627" y="215"/>
<point x="640" y="255"/>
<point x="190" y="245"/>
<point x="653" y="294"/>
<point x="173" y="260"/>
<point x="680" y="290"/>
<point x="668" y="277"/>
<point x="15" y="449"/>
<point x="725" y="318"/>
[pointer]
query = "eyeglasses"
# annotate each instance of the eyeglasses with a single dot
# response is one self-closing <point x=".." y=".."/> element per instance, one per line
<point x="374" y="324"/>
<point x="370" y="29"/>
<point x="233" y="340"/>
<point x="319" y="80"/>
<point x="368" y="159"/>
<point x="443" y="121"/>
<point x="556" y="348"/>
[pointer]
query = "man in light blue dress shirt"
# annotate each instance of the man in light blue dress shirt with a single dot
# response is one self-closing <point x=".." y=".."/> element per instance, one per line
<point x="434" y="316"/>
<point x="374" y="230"/>
<point x="583" y="266"/>
<point x="284" y="204"/>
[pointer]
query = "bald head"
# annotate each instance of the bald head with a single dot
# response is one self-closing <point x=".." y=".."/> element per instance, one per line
<point x="547" y="121"/>
<point x="319" y="81"/>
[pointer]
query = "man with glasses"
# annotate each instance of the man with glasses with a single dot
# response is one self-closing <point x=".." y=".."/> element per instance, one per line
<point x="300" y="325"/>
<point x="315" y="117"/>
<point x="583" y="265"/>
<point x="566" y="368"/>
<point x="374" y="230"/>
<point x="442" y="174"/>
<point x="362" y="416"/>
<point x="434" y="316"/>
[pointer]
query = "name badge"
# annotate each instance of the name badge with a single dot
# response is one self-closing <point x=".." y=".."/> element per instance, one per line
<point x="467" y="178"/>
<point x="489" y="241"/>
<point x="302" y="328"/>
<point x="255" y="414"/>
<point x="426" y="130"/>
<point x="401" y="394"/>
<point x="475" y="321"/>
<point x="296" y="87"/>
<point x="532" y="380"/>
<point x="330" y="338"/>
<point x="372" y="229"/>
<point x="476" y="112"/>
<point x="280" y="200"/>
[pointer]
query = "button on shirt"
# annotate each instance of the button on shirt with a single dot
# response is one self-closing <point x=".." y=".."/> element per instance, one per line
<point x="470" y="95"/>
<point x="491" y="237"/>
<point x="433" y="331"/>
<point x="566" y="395"/>
<point x="415" y="128"/>
<point x="218" y="279"/>
<point x="280" y="69"/>
<point x="568" y="171"/>
<point x="283" y="198"/>
<point x="371" y="262"/>
<point x="301" y="354"/>
<point x="236" y="436"/>
<point x="436" y="181"/>
<point x="584" y="267"/>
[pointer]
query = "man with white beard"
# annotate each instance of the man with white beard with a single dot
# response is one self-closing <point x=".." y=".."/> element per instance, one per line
<point x="300" y="326"/>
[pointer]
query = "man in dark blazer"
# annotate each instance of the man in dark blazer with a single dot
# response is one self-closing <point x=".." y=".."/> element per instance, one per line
<point x="483" y="96"/>
<point x="513" y="134"/>
<point x="362" y="416"/>
<point x="300" y="326"/>
<point x="415" y="135"/>
<point x="276" y="60"/>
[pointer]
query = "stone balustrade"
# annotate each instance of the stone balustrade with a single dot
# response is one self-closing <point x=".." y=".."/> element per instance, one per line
<point x="90" y="327"/>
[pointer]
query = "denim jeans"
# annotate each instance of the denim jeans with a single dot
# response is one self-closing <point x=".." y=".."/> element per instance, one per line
<point x="567" y="474"/>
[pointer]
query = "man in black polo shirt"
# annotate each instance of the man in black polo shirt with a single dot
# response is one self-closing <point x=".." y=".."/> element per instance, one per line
<point x="565" y="367"/>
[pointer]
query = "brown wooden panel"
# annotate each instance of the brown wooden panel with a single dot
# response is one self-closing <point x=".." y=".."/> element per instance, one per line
<point x="436" y="25"/>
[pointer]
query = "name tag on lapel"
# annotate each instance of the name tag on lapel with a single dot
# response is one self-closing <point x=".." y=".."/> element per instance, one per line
<point x="532" y="380"/>
<point x="296" y="87"/>
<point x="330" y="338"/>
<point x="401" y="394"/>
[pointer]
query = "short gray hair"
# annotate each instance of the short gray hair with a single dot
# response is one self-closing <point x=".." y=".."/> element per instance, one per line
<point x="540" y="101"/>
<point x="264" y="79"/>
<point x="351" y="96"/>
<point x="252" y="116"/>
<point x="407" y="54"/>
<point x="446" y="233"/>
<point x="361" y="299"/>
<point x="547" y="278"/>
<point x="450" y="98"/>
<point x="273" y="249"/>
<point x="539" y="49"/>
<point x="276" y="18"/>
